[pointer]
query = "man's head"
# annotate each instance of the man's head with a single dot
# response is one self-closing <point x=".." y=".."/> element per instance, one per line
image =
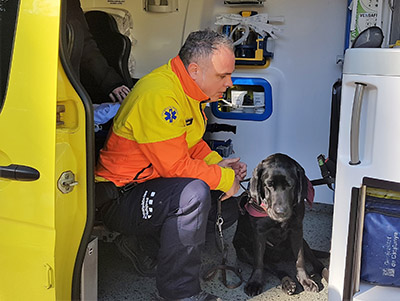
<point x="209" y="59"/>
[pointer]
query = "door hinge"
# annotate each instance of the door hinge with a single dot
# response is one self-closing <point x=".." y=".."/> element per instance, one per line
<point x="66" y="182"/>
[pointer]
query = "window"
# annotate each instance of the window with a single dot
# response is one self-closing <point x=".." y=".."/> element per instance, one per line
<point x="8" y="18"/>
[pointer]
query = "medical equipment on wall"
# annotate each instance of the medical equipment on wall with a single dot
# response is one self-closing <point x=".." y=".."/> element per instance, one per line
<point x="252" y="34"/>
<point x="364" y="14"/>
<point x="161" y="6"/>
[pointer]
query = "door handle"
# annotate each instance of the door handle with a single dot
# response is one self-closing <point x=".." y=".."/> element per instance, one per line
<point x="19" y="172"/>
<point x="355" y="124"/>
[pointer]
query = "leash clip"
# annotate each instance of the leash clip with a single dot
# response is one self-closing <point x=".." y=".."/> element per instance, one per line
<point x="220" y="222"/>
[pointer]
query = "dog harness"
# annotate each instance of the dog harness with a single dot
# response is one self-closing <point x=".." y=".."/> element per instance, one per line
<point x="260" y="211"/>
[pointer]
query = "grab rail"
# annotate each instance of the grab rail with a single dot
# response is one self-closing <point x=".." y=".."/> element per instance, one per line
<point x="355" y="124"/>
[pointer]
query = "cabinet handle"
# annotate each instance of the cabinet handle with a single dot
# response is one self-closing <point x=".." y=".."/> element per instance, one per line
<point x="355" y="124"/>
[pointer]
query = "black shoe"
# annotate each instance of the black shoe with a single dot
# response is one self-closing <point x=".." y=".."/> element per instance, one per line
<point x="144" y="264"/>
<point x="202" y="296"/>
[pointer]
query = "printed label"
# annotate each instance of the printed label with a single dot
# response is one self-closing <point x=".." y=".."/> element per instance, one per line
<point x="391" y="254"/>
<point x="147" y="204"/>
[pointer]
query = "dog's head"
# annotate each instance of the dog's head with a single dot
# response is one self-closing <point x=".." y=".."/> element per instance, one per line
<point x="278" y="184"/>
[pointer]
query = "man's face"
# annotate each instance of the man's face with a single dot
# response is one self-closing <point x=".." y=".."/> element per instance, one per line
<point x="214" y="75"/>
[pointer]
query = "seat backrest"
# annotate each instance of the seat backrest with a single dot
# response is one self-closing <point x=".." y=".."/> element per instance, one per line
<point x="74" y="45"/>
<point x="114" y="46"/>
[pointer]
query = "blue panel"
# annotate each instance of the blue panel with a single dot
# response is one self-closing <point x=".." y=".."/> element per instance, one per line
<point x="348" y="24"/>
<point x="248" y="116"/>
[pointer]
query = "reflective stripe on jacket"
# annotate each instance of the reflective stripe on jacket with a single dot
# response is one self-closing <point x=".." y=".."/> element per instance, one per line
<point x="158" y="133"/>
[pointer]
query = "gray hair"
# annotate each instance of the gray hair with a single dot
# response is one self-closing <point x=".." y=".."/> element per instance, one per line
<point x="201" y="44"/>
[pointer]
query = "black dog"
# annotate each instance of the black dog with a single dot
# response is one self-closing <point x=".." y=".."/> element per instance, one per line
<point x="274" y="230"/>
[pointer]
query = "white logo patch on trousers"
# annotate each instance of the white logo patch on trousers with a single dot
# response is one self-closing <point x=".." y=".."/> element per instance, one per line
<point x="147" y="204"/>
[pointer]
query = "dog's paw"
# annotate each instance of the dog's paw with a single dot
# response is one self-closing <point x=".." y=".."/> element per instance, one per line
<point x="288" y="285"/>
<point x="253" y="288"/>
<point x="309" y="285"/>
<point x="255" y="284"/>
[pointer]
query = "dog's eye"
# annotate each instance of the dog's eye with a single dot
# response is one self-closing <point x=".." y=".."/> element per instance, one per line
<point x="270" y="183"/>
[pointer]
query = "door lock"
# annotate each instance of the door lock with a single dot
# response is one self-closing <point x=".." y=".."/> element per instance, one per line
<point x="66" y="182"/>
<point x="60" y="110"/>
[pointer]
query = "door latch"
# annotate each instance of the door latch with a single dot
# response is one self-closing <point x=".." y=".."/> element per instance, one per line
<point x="60" y="110"/>
<point x="66" y="182"/>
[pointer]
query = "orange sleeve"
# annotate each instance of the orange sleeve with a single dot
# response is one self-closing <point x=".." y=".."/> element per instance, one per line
<point x="202" y="151"/>
<point x="171" y="158"/>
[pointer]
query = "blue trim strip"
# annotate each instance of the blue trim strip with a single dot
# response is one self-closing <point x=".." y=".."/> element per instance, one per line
<point x="348" y="23"/>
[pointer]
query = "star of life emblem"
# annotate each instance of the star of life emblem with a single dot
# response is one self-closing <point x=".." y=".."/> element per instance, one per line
<point x="170" y="114"/>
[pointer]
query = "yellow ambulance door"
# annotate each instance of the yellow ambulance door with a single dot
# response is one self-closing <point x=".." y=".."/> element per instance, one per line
<point x="46" y="172"/>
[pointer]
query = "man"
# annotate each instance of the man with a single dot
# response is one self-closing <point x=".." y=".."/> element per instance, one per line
<point x="156" y="143"/>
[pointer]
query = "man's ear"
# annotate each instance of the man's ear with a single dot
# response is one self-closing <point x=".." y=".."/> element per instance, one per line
<point x="193" y="70"/>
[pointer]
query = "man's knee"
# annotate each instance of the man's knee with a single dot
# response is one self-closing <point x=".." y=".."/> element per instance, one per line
<point x="194" y="206"/>
<point x="196" y="195"/>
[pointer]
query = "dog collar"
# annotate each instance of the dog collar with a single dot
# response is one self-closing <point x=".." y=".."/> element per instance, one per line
<point x="310" y="193"/>
<point x="255" y="210"/>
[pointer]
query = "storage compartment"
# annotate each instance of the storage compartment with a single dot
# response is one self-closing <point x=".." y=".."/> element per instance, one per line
<point x="372" y="259"/>
<point x="247" y="99"/>
<point x="380" y="263"/>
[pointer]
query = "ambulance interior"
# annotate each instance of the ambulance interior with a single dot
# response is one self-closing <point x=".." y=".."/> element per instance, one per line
<point x="288" y="79"/>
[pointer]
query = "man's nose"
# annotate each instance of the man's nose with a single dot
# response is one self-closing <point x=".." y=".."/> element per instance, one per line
<point x="229" y="82"/>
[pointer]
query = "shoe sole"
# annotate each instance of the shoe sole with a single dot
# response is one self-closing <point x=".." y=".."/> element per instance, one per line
<point x="124" y="249"/>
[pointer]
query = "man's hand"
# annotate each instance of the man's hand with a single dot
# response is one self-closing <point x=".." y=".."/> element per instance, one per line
<point x="240" y="168"/>
<point x="119" y="93"/>
<point x="233" y="190"/>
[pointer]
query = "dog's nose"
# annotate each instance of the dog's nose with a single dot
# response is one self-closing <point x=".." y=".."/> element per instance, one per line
<point x="279" y="210"/>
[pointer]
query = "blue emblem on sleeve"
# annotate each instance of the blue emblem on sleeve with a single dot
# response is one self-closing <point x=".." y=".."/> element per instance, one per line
<point x="170" y="114"/>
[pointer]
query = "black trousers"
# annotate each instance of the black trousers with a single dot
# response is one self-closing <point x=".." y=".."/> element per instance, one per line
<point x="178" y="212"/>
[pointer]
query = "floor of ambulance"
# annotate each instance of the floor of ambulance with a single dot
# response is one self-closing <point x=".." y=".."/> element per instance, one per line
<point x="118" y="281"/>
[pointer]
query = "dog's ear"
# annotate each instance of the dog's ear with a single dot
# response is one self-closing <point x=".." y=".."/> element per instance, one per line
<point x="256" y="184"/>
<point x="302" y="183"/>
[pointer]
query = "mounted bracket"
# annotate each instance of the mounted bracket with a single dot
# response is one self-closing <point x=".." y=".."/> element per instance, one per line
<point x="66" y="182"/>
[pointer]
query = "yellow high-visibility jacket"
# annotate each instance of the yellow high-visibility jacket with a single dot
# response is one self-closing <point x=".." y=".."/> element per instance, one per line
<point x="158" y="133"/>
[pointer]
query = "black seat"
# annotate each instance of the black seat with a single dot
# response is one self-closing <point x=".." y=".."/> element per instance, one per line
<point x="114" y="46"/>
<point x="74" y="45"/>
